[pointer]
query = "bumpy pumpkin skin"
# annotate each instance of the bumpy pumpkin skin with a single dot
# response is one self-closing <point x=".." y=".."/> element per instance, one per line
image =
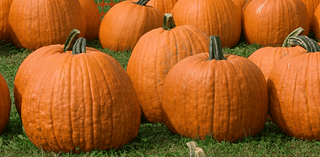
<point x="92" y="18"/>
<point x="294" y="95"/>
<point x="154" y="55"/>
<point x="269" y="22"/>
<point x="5" y="104"/>
<point x="125" y="23"/>
<point x="215" y="17"/>
<point x="226" y="97"/>
<point x="5" y="28"/>
<point x="41" y="23"/>
<point x="79" y="103"/>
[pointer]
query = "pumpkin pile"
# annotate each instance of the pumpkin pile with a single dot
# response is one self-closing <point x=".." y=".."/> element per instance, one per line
<point x="74" y="98"/>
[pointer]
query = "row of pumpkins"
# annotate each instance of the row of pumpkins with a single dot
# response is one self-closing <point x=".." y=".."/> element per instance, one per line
<point x="75" y="98"/>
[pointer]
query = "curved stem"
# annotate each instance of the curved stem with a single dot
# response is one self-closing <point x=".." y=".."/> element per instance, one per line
<point x="309" y="44"/>
<point x="79" y="46"/>
<point x="71" y="40"/>
<point x="142" y="2"/>
<point x="294" y="33"/>
<point x="215" y="49"/>
<point x="168" y="22"/>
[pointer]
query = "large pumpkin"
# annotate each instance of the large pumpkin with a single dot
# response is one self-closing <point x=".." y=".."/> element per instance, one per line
<point x="155" y="54"/>
<point x="209" y="94"/>
<point x="92" y="18"/>
<point x="79" y="101"/>
<point x="4" y="20"/>
<point x="215" y="17"/>
<point x="269" y="22"/>
<point x="38" y="23"/>
<point x="5" y="104"/>
<point x="293" y="87"/>
<point x="126" y="22"/>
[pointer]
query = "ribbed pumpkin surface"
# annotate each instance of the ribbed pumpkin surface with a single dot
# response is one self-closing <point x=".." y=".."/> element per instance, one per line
<point x="4" y="19"/>
<point x="215" y="17"/>
<point x="269" y="22"/>
<point x="5" y="104"/>
<point x="227" y="98"/>
<point x="80" y="102"/>
<point x="154" y="55"/>
<point x="38" y="23"/>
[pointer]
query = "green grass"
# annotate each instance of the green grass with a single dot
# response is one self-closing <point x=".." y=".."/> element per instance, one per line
<point x="153" y="139"/>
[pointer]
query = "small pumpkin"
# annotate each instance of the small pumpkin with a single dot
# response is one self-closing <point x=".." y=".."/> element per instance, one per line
<point x="41" y="23"/>
<point x="4" y="20"/>
<point x="126" y="22"/>
<point x="267" y="23"/>
<point x="80" y="101"/>
<point x="293" y="87"/>
<point x="224" y="97"/>
<point x="155" y="54"/>
<point x="5" y="104"/>
<point x="215" y="17"/>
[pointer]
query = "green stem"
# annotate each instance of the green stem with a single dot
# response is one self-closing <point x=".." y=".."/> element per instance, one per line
<point x="309" y="44"/>
<point x="71" y="40"/>
<point x="79" y="46"/>
<point x="215" y="49"/>
<point x="168" y="22"/>
<point x="294" y="33"/>
<point x="142" y="2"/>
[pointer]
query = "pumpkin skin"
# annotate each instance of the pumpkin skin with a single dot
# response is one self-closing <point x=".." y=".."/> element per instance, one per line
<point x="215" y="17"/>
<point x="5" y="28"/>
<point x="92" y="18"/>
<point x="267" y="23"/>
<point x="125" y="23"/>
<point x="80" y="102"/>
<point x="35" y="26"/>
<point x="154" y="55"/>
<point x="315" y="24"/>
<point x="311" y="6"/>
<point x="5" y="104"/>
<point x="293" y="87"/>
<point x="228" y="97"/>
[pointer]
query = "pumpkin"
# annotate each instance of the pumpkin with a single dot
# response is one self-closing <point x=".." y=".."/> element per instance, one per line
<point x="293" y="87"/>
<point x="265" y="58"/>
<point x="315" y="24"/>
<point x="155" y="54"/>
<point x="311" y="6"/>
<point x="215" y="17"/>
<point x="82" y="100"/>
<point x="92" y="18"/>
<point x="224" y="97"/>
<point x="4" y="22"/>
<point x="5" y="104"/>
<point x="267" y="23"/>
<point x="41" y="23"/>
<point x="105" y="5"/>
<point x="126" y="22"/>
<point x="165" y="6"/>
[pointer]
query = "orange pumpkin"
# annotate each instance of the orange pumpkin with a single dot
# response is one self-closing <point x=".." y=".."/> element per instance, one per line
<point x="155" y="54"/>
<point x="5" y="104"/>
<point x="92" y="18"/>
<point x="293" y="87"/>
<point x="4" y="20"/>
<point x="41" y="23"/>
<point x="269" y="22"/>
<point x="215" y="17"/>
<point x="82" y="100"/>
<point x="210" y="93"/>
<point x="311" y="6"/>
<point x="126" y="22"/>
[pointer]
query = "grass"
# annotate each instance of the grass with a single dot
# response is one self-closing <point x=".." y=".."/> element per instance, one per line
<point x="153" y="139"/>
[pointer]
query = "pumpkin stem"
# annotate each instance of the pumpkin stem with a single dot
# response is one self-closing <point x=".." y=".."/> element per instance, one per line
<point x="294" y="33"/>
<point x="309" y="44"/>
<point x="79" y="46"/>
<point x="168" y="22"/>
<point x="71" y="40"/>
<point x="215" y="49"/>
<point x="142" y="2"/>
